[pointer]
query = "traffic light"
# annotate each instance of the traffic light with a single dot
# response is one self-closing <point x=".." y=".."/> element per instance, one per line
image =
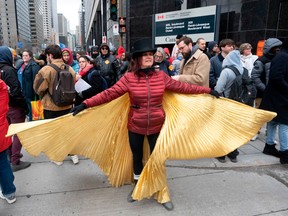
<point x="122" y="25"/>
<point x="113" y="10"/>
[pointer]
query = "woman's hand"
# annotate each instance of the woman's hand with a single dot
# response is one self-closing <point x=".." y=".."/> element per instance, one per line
<point x="77" y="109"/>
<point x="214" y="93"/>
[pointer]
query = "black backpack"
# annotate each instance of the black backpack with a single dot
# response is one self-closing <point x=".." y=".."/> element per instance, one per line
<point x="243" y="89"/>
<point x="64" y="92"/>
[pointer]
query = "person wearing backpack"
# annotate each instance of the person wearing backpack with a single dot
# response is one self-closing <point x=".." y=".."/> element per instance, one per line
<point x="91" y="75"/>
<point x="223" y="87"/>
<point x="44" y="86"/>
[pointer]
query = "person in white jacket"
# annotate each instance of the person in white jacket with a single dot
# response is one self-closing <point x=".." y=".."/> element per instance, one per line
<point x="247" y="58"/>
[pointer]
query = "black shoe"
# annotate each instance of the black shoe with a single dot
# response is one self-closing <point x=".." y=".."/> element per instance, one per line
<point x="168" y="205"/>
<point x="233" y="159"/>
<point x="129" y="198"/>
<point x="283" y="157"/>
<point x="271" y="150"/>
<point x="221" y="159"/>
<point x="21" y="165"/>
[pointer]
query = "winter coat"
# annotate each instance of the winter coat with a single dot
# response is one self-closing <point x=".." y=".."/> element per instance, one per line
<point x="4" y="98"/>
<point x="275" y="96"/>
<point x="9" y="76"/>
<point x="146" y="92"/>
<point x="43" y="85"/>
<point x="28" y="76"/>
<point x="215" y="69"/>
<point x="73" y="63"/>
<point x="196" y="69"/>
<point x="109" y="66"/>
<point x="261" y="69"/>
<point x="227" y="76"/>
<point x="92" y="77"/>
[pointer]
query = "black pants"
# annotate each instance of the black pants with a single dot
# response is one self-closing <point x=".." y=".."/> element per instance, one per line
<point x="48" y="114"/>
<point x="136" y="145"/>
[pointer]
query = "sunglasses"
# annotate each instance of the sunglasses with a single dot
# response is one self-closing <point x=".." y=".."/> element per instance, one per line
<point x="104" y="48"/>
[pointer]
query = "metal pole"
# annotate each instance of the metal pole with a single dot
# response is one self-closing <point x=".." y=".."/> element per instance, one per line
<point x="120" y="15"/>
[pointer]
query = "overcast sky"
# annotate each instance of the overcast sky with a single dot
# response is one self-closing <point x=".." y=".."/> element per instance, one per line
<point x="69" y="8"/>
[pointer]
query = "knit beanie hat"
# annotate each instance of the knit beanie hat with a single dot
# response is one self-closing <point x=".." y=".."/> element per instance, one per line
<point x="211" y="45"/>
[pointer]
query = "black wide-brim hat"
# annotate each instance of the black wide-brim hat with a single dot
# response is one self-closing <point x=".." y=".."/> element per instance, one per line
<point x="141" y="46"/>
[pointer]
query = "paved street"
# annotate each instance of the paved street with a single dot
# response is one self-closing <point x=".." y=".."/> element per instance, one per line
<point x="256" y="185"/>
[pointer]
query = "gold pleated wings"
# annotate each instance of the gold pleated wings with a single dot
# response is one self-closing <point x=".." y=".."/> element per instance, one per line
<point x="196" y="126"/>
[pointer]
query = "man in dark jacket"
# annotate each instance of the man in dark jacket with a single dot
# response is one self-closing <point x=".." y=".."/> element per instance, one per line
<point x="108" y="65"/>
<point x="17" y="105"/>
<point x="275" y="99"/>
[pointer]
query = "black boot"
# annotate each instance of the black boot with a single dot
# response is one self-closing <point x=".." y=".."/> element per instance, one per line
<point x="271" y="150"/>
<point x="168" y="205"/>
<point x="129" y="198"/>
<point x="283" y="157"/>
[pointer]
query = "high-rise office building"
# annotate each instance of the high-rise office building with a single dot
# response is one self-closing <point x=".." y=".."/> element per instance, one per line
<point x="8" y="23"/>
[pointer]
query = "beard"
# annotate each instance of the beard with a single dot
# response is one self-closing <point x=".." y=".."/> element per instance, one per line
<point x="186" y="55"/>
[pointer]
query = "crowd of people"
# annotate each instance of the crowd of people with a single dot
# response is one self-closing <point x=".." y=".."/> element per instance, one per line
<point x="190" y="69"/>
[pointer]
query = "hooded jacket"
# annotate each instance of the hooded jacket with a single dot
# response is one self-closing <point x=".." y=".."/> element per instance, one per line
<point x="9" y="76"/>
<point x="227" y="76"/>
<point x="275" y="96"/>
<point x="261" y="69"/>
<point x="109" y="66"/>
<point x="5" y="142"/>
<point x="73" y="63"/>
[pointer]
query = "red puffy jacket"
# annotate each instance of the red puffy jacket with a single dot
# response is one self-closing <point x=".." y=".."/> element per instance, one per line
<point x="146" y="92"/>
<point x="4" y="98"/>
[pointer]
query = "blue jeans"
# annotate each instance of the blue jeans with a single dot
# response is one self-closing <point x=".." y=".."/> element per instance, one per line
<point x="6" y="176"/>
<point x="282" y="133"/>
<point x="28" y="101"/>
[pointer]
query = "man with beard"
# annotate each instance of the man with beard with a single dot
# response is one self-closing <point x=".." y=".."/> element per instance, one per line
<point x="43" y="86"/>
<point x="195" y="66"/>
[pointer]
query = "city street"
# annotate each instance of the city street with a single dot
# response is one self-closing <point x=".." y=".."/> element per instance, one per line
<point x="256" y="185"/>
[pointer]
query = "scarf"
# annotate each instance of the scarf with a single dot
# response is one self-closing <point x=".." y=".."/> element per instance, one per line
<point x="84" y="71"/>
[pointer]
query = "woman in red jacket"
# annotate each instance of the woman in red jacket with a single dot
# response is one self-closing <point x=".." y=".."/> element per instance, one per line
<point x="6" y="174"/>
<point x="146" y="88"/>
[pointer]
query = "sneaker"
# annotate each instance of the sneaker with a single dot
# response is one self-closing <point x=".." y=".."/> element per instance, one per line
<point x="75" y="159"/>
<point x="221" y="159"/>
<point x="11" y="199"/>
<point x="58" y="163"/>
<point x="21" y="165"/>
<point x="255" y="137"/>
<point x="271" y="150"/>
<point x="168" y="205"/>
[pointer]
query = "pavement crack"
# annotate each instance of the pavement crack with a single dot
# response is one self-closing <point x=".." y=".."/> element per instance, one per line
<point x="271" y="212"/>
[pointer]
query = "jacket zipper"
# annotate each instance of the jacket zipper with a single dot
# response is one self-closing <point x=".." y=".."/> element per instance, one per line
<point x="148" y="104"/>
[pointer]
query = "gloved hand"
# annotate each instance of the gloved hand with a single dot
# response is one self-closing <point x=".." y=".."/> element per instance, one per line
<point x="75" y="110"/>
<point x="214" y="93"/>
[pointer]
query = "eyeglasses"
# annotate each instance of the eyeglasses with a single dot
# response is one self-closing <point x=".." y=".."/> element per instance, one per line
<point x="159" y="57"/>
<point x="104" y="48"/>
<point x="181" y="48"/>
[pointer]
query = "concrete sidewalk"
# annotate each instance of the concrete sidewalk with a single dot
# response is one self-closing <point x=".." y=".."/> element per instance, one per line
<point x="198" y="187"/>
